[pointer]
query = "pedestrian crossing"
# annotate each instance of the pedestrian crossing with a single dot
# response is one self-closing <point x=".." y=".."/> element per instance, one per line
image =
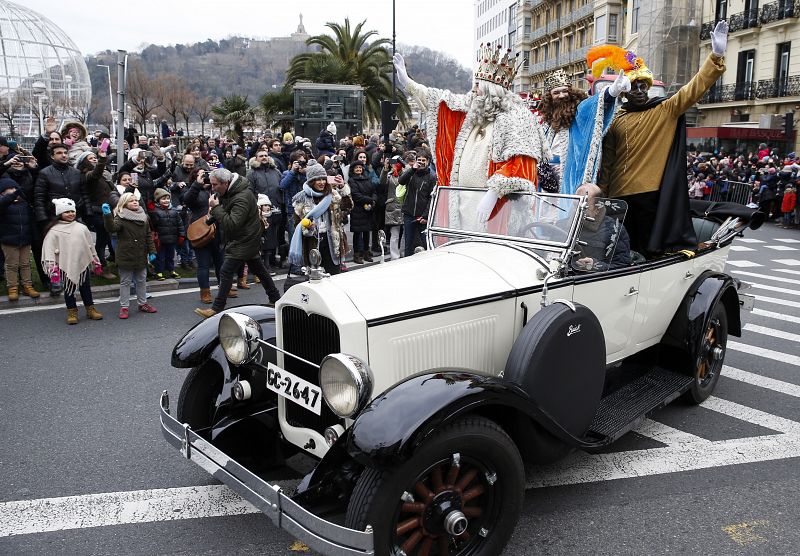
<point x="770" y="340"/>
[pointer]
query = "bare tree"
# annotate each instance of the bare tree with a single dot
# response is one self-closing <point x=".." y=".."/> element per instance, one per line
<point x="176" y="95"/>
<point x="203" y="108"/>
<point x="8" y="109"/>
<point x="188" y="108"/>
<point x="144" y="94"/>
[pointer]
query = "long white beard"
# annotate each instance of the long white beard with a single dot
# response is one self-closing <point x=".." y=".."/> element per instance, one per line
<point x="485" y="108"/>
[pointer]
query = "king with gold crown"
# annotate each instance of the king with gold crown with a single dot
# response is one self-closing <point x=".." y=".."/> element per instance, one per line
<point x="484" y="138"/>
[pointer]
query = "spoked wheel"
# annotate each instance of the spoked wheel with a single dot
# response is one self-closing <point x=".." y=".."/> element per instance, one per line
<point x="448" y="498"/>
<point x="710" y="357"/>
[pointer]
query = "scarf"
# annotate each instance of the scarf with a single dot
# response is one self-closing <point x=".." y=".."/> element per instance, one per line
<point x="128" y="214"/>
<point x="296" y="247"/>
<point x="68" y="248"/>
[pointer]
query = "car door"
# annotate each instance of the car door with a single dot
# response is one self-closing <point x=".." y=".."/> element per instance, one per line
<point x="612" y="296"/>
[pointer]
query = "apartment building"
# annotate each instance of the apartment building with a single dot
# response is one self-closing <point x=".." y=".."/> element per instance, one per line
<point x="761" y="84"/>
<point x="495" y="23"/>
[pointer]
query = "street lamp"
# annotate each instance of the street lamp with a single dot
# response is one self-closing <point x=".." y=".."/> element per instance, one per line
<point x="155" y="125"/>
<point x="211" y="125"/>
<point x="110" y="99"/>
<point x="39" y="91"/>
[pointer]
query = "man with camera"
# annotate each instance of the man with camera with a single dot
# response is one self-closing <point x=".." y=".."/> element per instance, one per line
<point x="232" y="207"/>
<point x="419" y="184"/>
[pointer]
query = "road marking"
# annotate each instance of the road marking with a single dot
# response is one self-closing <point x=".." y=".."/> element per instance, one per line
<point x="773" y="288"/>
<point x="772" y="332"/>
<point x="787" y="262"/>
<point x="749" y="240"/>
<point x="767" y="276"/>
<point x="781" y="248"/>
<point x="788" y="240"/>
<point x="761" y="381"/>
<point x="24" y="517"/>
<point x="764" y="352"/>
<point x="777" y="301"/>
<point x="744" y="264"/>
<point x="741" y="248"/>
<point x="778" y="316"/>
<point x="581" y="467"/>
<point x="744" y="533"/>
<point x="752" y="415"/>
<point x="666" y="434"/>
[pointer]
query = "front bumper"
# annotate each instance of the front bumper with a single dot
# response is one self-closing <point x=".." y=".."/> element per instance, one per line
<point x="319" y="534"/>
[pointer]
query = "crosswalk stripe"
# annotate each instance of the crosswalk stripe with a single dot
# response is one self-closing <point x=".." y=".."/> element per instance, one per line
<point x="773" y="288"/>
<point x="743" y="264"/>
<point x="761" y="381"/>
<point x="766" y="276"/>
<point x="24" y="517"/>
<point x="748" y="240"/>
<point x="772" y="332"/>
<point x="781" y="248"/>
<point x="764" y="352"/>
<point x="752" y="415"/>
<point x="666" y="434"/>
<point x="788" y="240"/>
<point x="787" y="262"/>
<point x="784" y="302"/>
<point x="581" y="467"/>
<point x="741" y="248"/>
<point x="778" y="316"/>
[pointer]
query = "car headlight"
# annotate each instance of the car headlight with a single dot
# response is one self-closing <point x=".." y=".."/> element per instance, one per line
<point x="238" y="336"/>
<point x="346" y="383"/>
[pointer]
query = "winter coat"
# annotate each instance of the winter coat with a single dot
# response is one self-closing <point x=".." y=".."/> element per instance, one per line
<point x="394" y="211"/>
<point x="40" y="153"/>
<point x="419" y="188"/>
<point x="54" y="182"/>
<point x="325" y="143"/>
<point x="237" y="216"/>
<point x="147" y="179"/>
<point x="168" y="224"/>
<point x="134" y="241"/>
<point x="26" y="179"/>
<point x="16" y="218"/>
<point x="265" y="179"/>
<point x="362" y="217"/>
<point x="279" y="160"/>
<point x="334" y="221"/>
<point x="789" y="201"/>
<point x="195" y="198"/>
<point x="291" y="184"/>
<point x="97" y="183"/>
<point x="236" y="164"/>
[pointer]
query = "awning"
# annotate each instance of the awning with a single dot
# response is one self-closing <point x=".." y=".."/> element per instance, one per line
<point x="745" y="133"/>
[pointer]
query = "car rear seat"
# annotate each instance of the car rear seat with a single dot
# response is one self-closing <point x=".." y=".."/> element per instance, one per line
<point x="704" y="228"/>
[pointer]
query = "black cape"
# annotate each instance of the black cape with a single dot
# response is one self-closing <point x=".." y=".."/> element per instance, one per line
<point x="672" y="229"/>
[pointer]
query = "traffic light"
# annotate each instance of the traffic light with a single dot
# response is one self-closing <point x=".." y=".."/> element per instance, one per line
<point x="389" y="120"/>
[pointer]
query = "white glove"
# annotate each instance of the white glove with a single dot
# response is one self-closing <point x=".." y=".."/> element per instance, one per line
<point x="719" y="38"/>
<point x="620" y="85"/>
<point x="486" y="205"/>
<point x="400" y="68"/>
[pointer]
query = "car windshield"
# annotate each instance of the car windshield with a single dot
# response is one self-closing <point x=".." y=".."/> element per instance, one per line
<point x="603" y="243"/>
<point x="544" y="221"/>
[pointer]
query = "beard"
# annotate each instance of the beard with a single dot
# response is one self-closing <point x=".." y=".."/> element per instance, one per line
<point x="560" y="113"/>
<point x="485" y="108"/>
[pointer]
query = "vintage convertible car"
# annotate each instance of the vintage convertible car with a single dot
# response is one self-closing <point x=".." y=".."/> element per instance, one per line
<point x="422" y="386"/>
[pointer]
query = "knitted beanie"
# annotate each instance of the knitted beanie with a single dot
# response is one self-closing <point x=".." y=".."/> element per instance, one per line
<point x="64" y="204"/>
<point x="159" y="193"/>
<point x="314" y="170"/>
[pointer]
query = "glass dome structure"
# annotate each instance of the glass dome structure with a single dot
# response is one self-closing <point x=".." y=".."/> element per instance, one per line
<point x="41" y="72"/>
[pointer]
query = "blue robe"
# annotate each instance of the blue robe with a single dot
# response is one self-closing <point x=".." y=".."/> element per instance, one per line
<point x="586" y="141"/>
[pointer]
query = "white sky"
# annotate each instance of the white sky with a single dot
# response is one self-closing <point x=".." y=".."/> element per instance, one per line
<point x="445" y="25"/>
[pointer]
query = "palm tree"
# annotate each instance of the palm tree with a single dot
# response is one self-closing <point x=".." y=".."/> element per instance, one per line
<point x="235" y="111"/>
<point x="348" y="57"/>
<point x="277" y="109"/>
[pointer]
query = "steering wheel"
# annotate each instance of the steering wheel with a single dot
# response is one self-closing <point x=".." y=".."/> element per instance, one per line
<point x="550" y="232"/>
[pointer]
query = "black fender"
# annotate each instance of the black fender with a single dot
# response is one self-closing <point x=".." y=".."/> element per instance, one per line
<point x="199" y="342"/>
<point x="390" y="428"/>
<point x="690" y="320"/>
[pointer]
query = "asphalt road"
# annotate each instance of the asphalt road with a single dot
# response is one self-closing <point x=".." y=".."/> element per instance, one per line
<point x="81" y="449"/>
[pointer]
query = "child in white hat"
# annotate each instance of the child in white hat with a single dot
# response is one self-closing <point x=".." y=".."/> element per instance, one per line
<point x="69" y="256"/>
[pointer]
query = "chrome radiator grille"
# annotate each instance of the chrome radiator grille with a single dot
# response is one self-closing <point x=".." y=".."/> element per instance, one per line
<point x="311" y="337"/>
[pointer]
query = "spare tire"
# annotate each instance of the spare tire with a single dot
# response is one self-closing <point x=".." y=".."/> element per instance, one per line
<point x="559" y="359"/>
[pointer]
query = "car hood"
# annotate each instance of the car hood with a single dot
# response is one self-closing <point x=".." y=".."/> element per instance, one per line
<point x="446" y="275"/>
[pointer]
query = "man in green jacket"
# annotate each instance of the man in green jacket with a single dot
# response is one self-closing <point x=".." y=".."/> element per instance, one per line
<point x="233" y="209"/>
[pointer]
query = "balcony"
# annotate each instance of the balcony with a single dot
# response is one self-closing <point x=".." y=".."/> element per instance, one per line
<point x="583" y="11"/>
<point x="579" y="54"/>
<point x="538" y="33"/>
<point x="753" y="90"/>
<point x="552" y="26"/>
<point x="538" y="67"/>
<point x="754" y="18"/>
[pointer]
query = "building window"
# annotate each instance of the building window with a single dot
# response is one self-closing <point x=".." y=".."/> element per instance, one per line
<point x="556" y="49"/>
<point x="612" y="27"/>
<point x="600" y="29"/>
<point x="744" y="75"/>
<point x="526" y="30"/>
<point x="782" y="67"/>
<point x="722" y="9"/>
<point x="635" y="17"/>
<point x="526" y="59"/>
<point x="581" y="38"/>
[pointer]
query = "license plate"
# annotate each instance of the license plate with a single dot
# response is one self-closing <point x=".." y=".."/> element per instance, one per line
<point x="294" y="388"/>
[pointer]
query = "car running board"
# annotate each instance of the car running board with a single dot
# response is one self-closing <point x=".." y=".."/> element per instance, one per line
<point x="623" y="409"/>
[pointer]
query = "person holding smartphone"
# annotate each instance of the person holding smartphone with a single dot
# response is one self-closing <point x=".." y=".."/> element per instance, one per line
<point x="419" y="184"/>
<point x="97" y="181"/>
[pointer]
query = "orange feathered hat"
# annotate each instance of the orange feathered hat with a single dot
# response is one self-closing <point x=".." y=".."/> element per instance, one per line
<point x="610" y="56"/>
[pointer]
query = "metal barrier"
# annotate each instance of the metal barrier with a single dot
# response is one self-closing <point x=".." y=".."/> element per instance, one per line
<point x="731" y="192"/>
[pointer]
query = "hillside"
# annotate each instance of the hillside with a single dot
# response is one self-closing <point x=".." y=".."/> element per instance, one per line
<point x="248" y="67"/>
